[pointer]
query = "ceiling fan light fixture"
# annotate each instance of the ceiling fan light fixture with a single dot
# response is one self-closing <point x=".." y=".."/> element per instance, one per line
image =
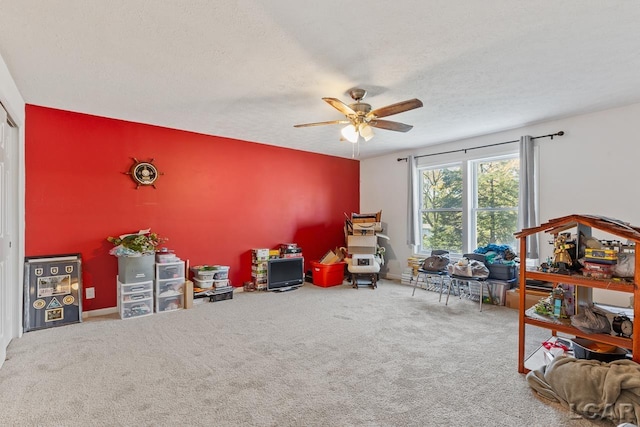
<point x="360" y="118"/>
<point x="366" y="131"/>
<point x="349" y="133"/>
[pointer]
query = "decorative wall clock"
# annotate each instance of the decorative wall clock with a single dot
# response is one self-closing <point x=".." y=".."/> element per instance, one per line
<point x="143" y="173"/>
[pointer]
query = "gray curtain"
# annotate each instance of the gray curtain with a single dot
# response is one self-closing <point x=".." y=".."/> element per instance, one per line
<point x="412" y="203"/>
<point x="528" y="208"/>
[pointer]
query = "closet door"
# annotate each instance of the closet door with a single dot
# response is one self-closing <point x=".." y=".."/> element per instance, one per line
<point x="7" y="310"/>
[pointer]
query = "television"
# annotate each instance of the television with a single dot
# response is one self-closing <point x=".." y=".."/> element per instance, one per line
<point x="284" y="274"/>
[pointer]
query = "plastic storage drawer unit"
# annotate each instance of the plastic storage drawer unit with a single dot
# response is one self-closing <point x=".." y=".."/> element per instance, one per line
<point x="135" y="299"/>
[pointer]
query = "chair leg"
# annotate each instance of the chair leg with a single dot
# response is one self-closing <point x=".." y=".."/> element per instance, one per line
<point x="448" y="293"/>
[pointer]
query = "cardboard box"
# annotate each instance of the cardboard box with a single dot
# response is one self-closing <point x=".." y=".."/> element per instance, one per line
<point x="366" y="217"/>
<point x="361" y="250"/>
<point x="363" y="231"/>
<point x="363" y="228"/>
<point x="188" y="294"/>
<point x="274" y="253"/>
<point x="531" y="299"/>
<point x="259" y="254"/>
<point x="362" y="241"/>
<point x="330" y="258"/>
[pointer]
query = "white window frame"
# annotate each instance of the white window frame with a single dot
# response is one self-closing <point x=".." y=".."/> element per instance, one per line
<point x="420" y="189"/>
<point x="467" y="163"/>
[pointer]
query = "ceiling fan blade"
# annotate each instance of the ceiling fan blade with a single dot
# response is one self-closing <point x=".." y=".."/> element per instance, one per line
<point x="396" y="108"/>
<point x="340" y="106"/>
<point x="389" y="125"/>
<point x="332" y="122"/>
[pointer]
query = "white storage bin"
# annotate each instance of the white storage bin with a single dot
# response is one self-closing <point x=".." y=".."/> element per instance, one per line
<point x="137" y="308"/>
<point x="169" y="302"/>
<point x="203" y="284"/>
<point x="170" y="270"/>
<point x="135" y="269"/>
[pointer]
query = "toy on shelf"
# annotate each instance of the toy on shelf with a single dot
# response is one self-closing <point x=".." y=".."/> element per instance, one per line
<point x="561" y="258"/>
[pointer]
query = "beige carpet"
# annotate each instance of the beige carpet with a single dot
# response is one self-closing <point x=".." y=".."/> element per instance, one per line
<point x="311" y="357"/>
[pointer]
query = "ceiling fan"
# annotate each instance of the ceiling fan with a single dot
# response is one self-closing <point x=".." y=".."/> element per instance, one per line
<point x="360" y="118"/>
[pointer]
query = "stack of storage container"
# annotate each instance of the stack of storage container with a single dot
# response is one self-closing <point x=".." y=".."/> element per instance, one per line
<point x="170" y="279"/>
<point x="599" y="263"/>
<point x="259" y="259"/>
<point x="361" y="233"/>
<point x="362" y="246"/>
<point x="211" y="276"/>
<point x="212" y="281"/>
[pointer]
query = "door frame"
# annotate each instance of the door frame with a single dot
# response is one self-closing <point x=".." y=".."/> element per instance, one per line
<point x="14" y="105"/>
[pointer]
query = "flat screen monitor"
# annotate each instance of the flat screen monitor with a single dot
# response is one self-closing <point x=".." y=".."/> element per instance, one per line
<point x="284" y="274"/>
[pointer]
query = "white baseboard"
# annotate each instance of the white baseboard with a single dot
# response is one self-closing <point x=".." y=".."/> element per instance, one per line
<point x="100" y="312"/>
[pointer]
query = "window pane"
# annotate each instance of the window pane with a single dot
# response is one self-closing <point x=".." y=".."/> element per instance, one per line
<point x="498" y="183"/>
<point x="442" y="188"/>
<point x="442" y="230"/>
<point x="497" y="227"/>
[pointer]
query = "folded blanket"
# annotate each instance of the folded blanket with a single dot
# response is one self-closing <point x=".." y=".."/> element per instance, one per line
<point x="594" y="389"/>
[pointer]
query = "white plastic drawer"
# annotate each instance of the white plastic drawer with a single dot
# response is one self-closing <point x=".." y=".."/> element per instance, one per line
<point x="170" y="285"/>
<point x="170" y="270"/>
<point x="137" y="308"/>
<point x="135" y="287"/>
<point x="169" y="303"/>
<point x="137" y="296"/>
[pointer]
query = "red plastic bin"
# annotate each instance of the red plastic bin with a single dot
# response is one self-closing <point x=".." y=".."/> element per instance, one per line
<point x="326" y="275"/>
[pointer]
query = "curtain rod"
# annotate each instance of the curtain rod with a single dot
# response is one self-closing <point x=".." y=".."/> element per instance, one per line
<point x="551" y="135"/>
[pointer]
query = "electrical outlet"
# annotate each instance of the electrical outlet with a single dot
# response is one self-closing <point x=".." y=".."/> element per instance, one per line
<point x="91" y="293"/>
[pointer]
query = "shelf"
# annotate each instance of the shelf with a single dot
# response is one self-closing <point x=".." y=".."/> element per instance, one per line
<point x="570" y="330"/>
<point x="584" y="225"/>
<point x="609" y="285"/>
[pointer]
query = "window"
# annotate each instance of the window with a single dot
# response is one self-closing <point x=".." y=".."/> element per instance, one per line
<point x="469" y="204"/>
<point x="441" y="193"/>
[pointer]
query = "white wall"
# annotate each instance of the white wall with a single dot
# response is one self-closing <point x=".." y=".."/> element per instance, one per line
<point x="589" y="170"/>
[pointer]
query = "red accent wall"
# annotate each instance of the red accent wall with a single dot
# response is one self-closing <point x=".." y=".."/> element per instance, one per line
<point x="217" y="199"/>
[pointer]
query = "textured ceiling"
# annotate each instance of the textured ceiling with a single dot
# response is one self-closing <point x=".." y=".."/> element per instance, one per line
<point x="252" y="69"/>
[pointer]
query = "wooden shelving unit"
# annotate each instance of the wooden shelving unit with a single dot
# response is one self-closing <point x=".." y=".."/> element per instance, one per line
<point x="558" y="225"/>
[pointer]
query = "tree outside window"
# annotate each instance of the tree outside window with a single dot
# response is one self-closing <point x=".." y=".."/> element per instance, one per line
<point x="496" y="213"/>
<point x="493" y="185"/>
<point x="441" y="213"/>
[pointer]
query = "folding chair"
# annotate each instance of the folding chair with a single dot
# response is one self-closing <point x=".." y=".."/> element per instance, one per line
<point x="474" y="285"/>
<point x="442" y="274"/>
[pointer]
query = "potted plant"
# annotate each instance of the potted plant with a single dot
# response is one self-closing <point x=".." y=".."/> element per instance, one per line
<point x="144" y="242"/>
